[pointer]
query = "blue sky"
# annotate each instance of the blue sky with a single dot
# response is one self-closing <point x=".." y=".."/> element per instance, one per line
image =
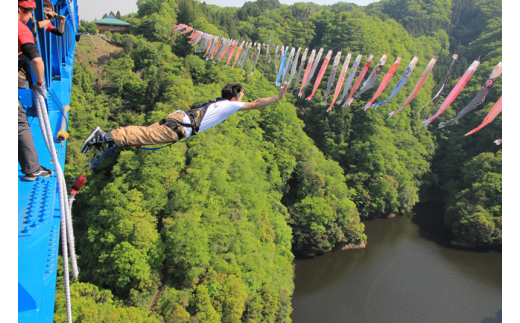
<point x="90" y="9"/>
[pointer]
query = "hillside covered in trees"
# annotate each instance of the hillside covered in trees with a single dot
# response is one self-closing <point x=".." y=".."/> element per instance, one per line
<point x="206" y="230"/>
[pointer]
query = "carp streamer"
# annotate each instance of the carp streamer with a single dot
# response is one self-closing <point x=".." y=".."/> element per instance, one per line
<point x="302" y="65"/>
<point x="371" y="80"/>
<point x="282" y="65"/>
<point x="323" y="69"/>
<point x="246" y="54"/>
<point x="359" y="79"/>
<point x="332" y="77"/>
<point x="276" y="55"/>
<point x="313" y="69"/>
<point x="288" y="66"/>
<point x="497" y="108"/>
<point x="340" y="80"/>
<point x="455" y="56"/>
<point x="294" y="65"/>
<point x="350" y="77"/>
<point x="480" y="97"/>
<point x="267" y="57"/>
<point x="417" y="87"/>
<point x="455" y="92"/>
<point x="307" y="71"/>
<point x="401" y="82"/>
<point x="384" y="82"/>
<point x="258" y="48"/>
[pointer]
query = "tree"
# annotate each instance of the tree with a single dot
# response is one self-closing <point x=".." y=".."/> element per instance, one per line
<point x="118" y="15"/>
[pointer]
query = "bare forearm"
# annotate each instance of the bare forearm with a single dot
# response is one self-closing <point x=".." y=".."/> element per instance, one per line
<point x="43" y="23"/>
<point x="62" y="27"/>
<point x="38" y="68"/>
<point x="262" y="102"/>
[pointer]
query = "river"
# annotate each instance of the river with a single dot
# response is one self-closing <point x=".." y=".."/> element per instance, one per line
<point x="407" y="273"/>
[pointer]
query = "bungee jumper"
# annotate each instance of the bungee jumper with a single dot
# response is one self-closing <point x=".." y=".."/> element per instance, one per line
<point x="359" y="79"/>
<point x="350" y="77"/>
<point x="455" y="91"/>
<point x="371" y="80"/>
<point x="332" y="77"/>
<point x="180" y="124"/>
<point x="340" y="80"/>
<point x="321" y="73"/>
<point x="497" y="108"/>
<point x="417" y="87"/>
<point x="455" y="56"/>
<point x="480" y="97"/>
<point x="384" y="82"/>
<point x="401" y="82"/>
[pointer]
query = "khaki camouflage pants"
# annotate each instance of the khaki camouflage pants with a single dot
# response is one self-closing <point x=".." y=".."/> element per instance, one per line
<point x="152" y="135"/>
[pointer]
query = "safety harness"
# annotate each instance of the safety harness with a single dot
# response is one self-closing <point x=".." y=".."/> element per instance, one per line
<point x="196" y="114"/>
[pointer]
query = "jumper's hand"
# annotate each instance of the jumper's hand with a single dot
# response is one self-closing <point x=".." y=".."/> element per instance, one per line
<point x="282" y="92"/>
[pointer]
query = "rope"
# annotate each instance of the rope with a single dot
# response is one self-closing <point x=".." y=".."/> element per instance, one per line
<point x="63" y="191"/>
<point x="97" y="161"/>
<point x="46" y="131"/>
<point x="158" y="147"/>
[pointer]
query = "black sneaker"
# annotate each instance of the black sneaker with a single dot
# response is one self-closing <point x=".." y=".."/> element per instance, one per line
<point x="95" y="139"/>
<point x="43" y="172"/>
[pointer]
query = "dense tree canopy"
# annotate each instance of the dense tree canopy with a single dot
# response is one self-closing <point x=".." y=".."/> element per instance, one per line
<point x="205" y="230"/>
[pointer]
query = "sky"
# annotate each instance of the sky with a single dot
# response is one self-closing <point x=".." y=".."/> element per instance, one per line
<point x="91" y="9"/>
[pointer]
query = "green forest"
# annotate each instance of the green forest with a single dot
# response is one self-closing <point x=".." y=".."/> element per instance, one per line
<point x="206" y="230"/>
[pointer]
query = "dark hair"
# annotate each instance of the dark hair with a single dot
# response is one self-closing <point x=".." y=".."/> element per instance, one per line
<point x="47" y="3"/>
<point x="232" y="91"/>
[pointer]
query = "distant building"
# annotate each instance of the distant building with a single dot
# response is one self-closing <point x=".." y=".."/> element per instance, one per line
<point x="112" y="24"/>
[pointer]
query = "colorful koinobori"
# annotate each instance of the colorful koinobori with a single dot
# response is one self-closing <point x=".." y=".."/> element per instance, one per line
<point x="371" y="80"/>
<point x="480" y="97"/>
<point x="215" y="48"/>
<point x="340" y="80"/>
<point x="384" y="82"/>
<point x="441" y="89"/>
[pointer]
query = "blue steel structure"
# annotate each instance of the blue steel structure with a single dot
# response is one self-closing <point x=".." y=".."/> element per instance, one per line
<point x="38" y="202"/>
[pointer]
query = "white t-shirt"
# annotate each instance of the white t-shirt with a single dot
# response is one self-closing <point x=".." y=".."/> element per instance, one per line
<point x="215" y="114"/>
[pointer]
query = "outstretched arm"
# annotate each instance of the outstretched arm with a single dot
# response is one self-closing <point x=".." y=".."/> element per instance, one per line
<point x="260" y="103"/>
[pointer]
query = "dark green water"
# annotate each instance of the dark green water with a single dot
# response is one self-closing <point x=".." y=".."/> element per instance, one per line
<point x="407" y="273"/>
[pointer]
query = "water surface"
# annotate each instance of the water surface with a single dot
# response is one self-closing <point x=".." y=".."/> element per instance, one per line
<point x="407" y="273"/>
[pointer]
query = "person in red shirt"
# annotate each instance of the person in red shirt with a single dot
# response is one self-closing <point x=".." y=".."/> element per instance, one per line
<point x="50" y="15"/>
<point x="27" y="155"/>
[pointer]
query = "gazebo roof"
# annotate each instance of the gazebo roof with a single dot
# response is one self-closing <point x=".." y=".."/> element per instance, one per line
<point x="110" y="20"/>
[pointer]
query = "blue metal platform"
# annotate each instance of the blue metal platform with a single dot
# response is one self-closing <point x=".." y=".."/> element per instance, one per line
<point x="39" y="210"/>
